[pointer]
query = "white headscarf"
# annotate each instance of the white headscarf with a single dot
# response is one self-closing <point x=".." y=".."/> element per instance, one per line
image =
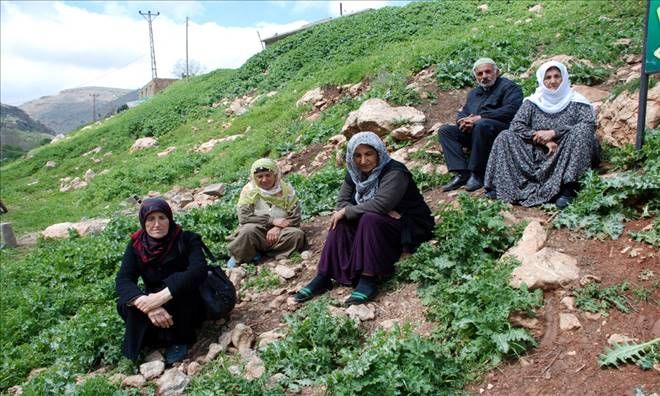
<point x="550" y="101"/>
<point x="366" y="186"/>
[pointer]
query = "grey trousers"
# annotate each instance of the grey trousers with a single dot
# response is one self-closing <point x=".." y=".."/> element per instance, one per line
<point x="251" y="238"/>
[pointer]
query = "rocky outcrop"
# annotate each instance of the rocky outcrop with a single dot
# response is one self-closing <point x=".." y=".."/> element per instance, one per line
<point x="617" y="120"/>
<point x="378" y="116"/>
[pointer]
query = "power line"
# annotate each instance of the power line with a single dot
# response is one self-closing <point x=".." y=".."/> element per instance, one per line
<point x="148" y="16"/>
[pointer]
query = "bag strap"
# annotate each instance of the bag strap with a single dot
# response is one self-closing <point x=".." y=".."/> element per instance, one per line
<point x="207" y="251"/>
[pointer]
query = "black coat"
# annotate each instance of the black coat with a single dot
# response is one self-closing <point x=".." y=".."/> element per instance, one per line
<point x="182" y="274"/>
<point x="499" y="102"/>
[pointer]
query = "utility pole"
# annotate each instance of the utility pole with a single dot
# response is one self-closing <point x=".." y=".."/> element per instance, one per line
<point x="260" y="42"/>
<point x="341" y="9"/>
<point x="148" y="16"/>
<point x="94" y="96"/>
<point x="187" y="64"/>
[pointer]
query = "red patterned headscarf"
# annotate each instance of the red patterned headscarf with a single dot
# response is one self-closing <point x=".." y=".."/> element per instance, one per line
<point x="152" y="250"/>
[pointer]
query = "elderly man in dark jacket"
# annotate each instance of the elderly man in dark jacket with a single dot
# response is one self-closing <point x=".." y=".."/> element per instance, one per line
<point x="488" y="110"/>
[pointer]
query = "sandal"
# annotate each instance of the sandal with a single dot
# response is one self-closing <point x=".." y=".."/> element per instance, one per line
<point x="357" y="298"/>
<point x="319" y="285"/>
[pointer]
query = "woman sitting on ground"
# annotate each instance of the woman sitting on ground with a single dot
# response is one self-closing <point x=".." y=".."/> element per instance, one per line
<point x="550" y="144"/>
<point x="268" y="217"/>
<point x="169" y="308"/>
<point x="380" y="214"/>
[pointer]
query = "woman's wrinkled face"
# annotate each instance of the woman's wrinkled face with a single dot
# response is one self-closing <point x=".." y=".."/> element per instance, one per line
<point x="157" y="225"/>
<point x="365" y="158"/>
<point x="265" y="179"/>
<point x="552" y="79"/>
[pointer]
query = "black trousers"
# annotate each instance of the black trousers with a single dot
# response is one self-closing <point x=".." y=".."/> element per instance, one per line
<point x="479" y="141"/>
<point x="187" y="312"/>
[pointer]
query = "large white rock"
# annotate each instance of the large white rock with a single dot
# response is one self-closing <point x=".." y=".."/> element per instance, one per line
<point x="378" y="116"/>
<point x="216" y="190"/>
<point x="84" y="228"/>
<point x="546" y="269"/>
<point x="172" y="383"/>
<point x="532" y="240"/>
<point x="143" y="143"/>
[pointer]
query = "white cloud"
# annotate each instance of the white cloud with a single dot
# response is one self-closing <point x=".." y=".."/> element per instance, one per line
<point x="57" y="46"/>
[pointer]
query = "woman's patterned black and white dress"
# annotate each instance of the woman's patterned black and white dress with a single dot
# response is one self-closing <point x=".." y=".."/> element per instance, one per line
<point x="521" y="171"/>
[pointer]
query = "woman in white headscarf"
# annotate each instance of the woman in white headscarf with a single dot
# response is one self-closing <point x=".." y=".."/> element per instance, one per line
<point x="380" y="213"/>
<point x="549" y="145"/>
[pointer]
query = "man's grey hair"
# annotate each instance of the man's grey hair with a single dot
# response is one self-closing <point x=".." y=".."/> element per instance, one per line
<point x="483" y="61"/>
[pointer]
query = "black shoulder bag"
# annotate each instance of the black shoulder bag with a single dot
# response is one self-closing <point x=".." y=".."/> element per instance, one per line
<point x="217" y="291"/>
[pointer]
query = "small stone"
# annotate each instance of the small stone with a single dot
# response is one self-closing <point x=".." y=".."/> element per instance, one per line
<point x="483" y="8"/>
<point x="134" y="381"/>
<point x="568" y="321"/>
<point x="389" y="324"/>
<point x="585" y="280"/>
<point x="154" y="355"/>
<point x="269" y="337"/>
<point x="236" y="276"/>
<point x="306" y="254"/>
<point x="490" y="386"/>
<point x="254" y="368"/>
<point x="524" y="362"/>
<point x="50" y="164"/>
<point x="277" y="302"/>
<point x="242" y="336"/>
<point x="194" y="368"/>
<point x="172" y="383"/>
<point x="620" y="339"/>
<point x="592" y="316"/>
<point x="284" y="271"/>
<point x="152" y="369"/>
<point x="214" y="350"/>
<point x="166" y="152"/>
<point x="571" y="353"/>
<point x="116" y="378"/>
<point x="569" y="303"/>
<point x="234" y="369"/>
<point x="362" y="312"/>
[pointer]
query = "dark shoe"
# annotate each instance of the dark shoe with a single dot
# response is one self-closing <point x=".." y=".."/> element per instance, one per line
<point x="175" y="353"/>
<point x="456" y="182"/>
<point x="474" y="183"/>
<point x="563" y="201"/>
<point x="491" y="194"/>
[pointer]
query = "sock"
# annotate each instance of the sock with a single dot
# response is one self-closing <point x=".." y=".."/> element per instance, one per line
<point x="366" y="286"/>
<point x="320" y="282"/>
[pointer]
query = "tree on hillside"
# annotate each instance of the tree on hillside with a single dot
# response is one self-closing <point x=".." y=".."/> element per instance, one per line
<point x="194" y="68"/>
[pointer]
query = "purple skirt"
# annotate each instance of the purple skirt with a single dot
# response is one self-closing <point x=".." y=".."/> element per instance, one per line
<point x="370" y="245"/>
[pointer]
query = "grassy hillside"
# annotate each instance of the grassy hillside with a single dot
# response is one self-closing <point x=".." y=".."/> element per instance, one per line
<point x="391" y="43"/>
<point x="58" y="310"/>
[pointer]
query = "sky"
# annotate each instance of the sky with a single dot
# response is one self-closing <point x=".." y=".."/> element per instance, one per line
<point x="48" y="46"/>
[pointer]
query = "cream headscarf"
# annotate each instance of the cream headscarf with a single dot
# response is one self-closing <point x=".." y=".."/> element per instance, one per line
<point x="550" y="101"/>
<point x="281" y="194"/>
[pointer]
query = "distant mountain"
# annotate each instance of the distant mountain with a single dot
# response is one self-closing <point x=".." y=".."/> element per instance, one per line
<point x="19" y="132"/>
<point x="72" y="108"/>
